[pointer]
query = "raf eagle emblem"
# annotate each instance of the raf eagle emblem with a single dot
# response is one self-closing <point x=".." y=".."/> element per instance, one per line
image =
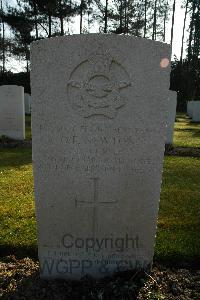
<point x="96" y="84"/>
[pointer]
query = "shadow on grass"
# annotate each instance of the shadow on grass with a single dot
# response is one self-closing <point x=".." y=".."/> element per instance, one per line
<point x="15" y="157"/>
<point x="28" y="123"/>
<point x="188" y="129"/>
<point x="176" y="260"/>
<point x="195" y="131"/>
<point x="19" y="251"/>
<point x="196" y="134"/>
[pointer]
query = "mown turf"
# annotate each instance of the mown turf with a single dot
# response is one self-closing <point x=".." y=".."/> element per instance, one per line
<point x="186" y="132"/>
<point x="178" y="238"/>
<point x="17" y="218"/>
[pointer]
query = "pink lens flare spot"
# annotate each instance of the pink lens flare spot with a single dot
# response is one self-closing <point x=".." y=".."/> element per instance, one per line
<point x="164" y="63"/>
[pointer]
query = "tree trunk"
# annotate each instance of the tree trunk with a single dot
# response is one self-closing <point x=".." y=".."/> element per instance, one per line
<point x="164" y="33"/>
<point x="88" y="21"/>
<point x="172" y="28"/>
<point x="35" y="21"/>
<point x="191" y="31"/>
<point x="121" y="16"/>
<point x="125" y="16"/>
<point x="145" y="18"/>
<point x="88" y="16"/>
<point x="106" y="18"/>
<point x="61" y="18"/>
<point x="3" y="42"/>
<point x="50" y="21"/>
<point x="27" y="59"/>
<point x="61" y="26"/>
<point x="183" y="35"/>
<point x="81" y="16"/>
<point x="154" y="21"/>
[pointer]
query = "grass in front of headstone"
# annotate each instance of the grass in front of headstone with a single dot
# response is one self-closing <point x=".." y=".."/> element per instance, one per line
<point x="17" y="217"/>
<point x="178" y="237"/>
<point x="186" y="132"/>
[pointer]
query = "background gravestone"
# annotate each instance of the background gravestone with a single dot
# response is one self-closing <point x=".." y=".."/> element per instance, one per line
<point x="171" y="116"/>
<point x="190" y="108"/>
<point x="98" y="145"/>
<point x="27" y="103"/>
<point x="196" y="111"/>
<point x="12" y="115"/>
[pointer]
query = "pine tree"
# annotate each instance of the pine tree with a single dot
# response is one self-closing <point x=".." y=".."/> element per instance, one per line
<point x="172" y="27"/>
<point x="22" y="27"/>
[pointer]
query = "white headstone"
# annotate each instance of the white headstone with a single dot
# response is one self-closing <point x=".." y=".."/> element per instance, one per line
<point x="196" y="111"/>
<point x="190" y="108"/>
<point x="12" y="116"/>
<point x="98" y="145"/>
<point x="171" y="116"/>
<point x="27" y="103"/>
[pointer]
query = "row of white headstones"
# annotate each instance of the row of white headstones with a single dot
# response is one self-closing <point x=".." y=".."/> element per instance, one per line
<point x="193" y="110"/>
<point x="14" y="104"/>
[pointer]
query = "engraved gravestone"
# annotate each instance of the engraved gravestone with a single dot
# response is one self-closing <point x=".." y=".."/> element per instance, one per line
<point x="171" y="116"/>
<point x="98" y="145"/>
<point x="12" y="115"/>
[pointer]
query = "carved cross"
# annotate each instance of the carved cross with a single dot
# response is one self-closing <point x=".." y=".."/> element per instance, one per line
<point x="94" y="204"/>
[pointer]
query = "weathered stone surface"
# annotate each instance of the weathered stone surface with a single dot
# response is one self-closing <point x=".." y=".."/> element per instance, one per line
<point x="12" y="116"/>
<point x="171" y="116"/>
<point x="98" y="122"/>
<point x="27" y="103"/>
<point x="196" y="111"/>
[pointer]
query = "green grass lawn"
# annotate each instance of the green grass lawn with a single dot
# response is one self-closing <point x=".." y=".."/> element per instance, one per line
<point x="178" y="236"/>
<point x="186" y="133"/>
<point x="17" y="218"/>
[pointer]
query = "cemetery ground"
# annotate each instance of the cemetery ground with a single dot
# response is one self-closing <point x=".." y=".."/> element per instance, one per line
<point x="176" y="270"/>
<point x="187" y="133"/>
